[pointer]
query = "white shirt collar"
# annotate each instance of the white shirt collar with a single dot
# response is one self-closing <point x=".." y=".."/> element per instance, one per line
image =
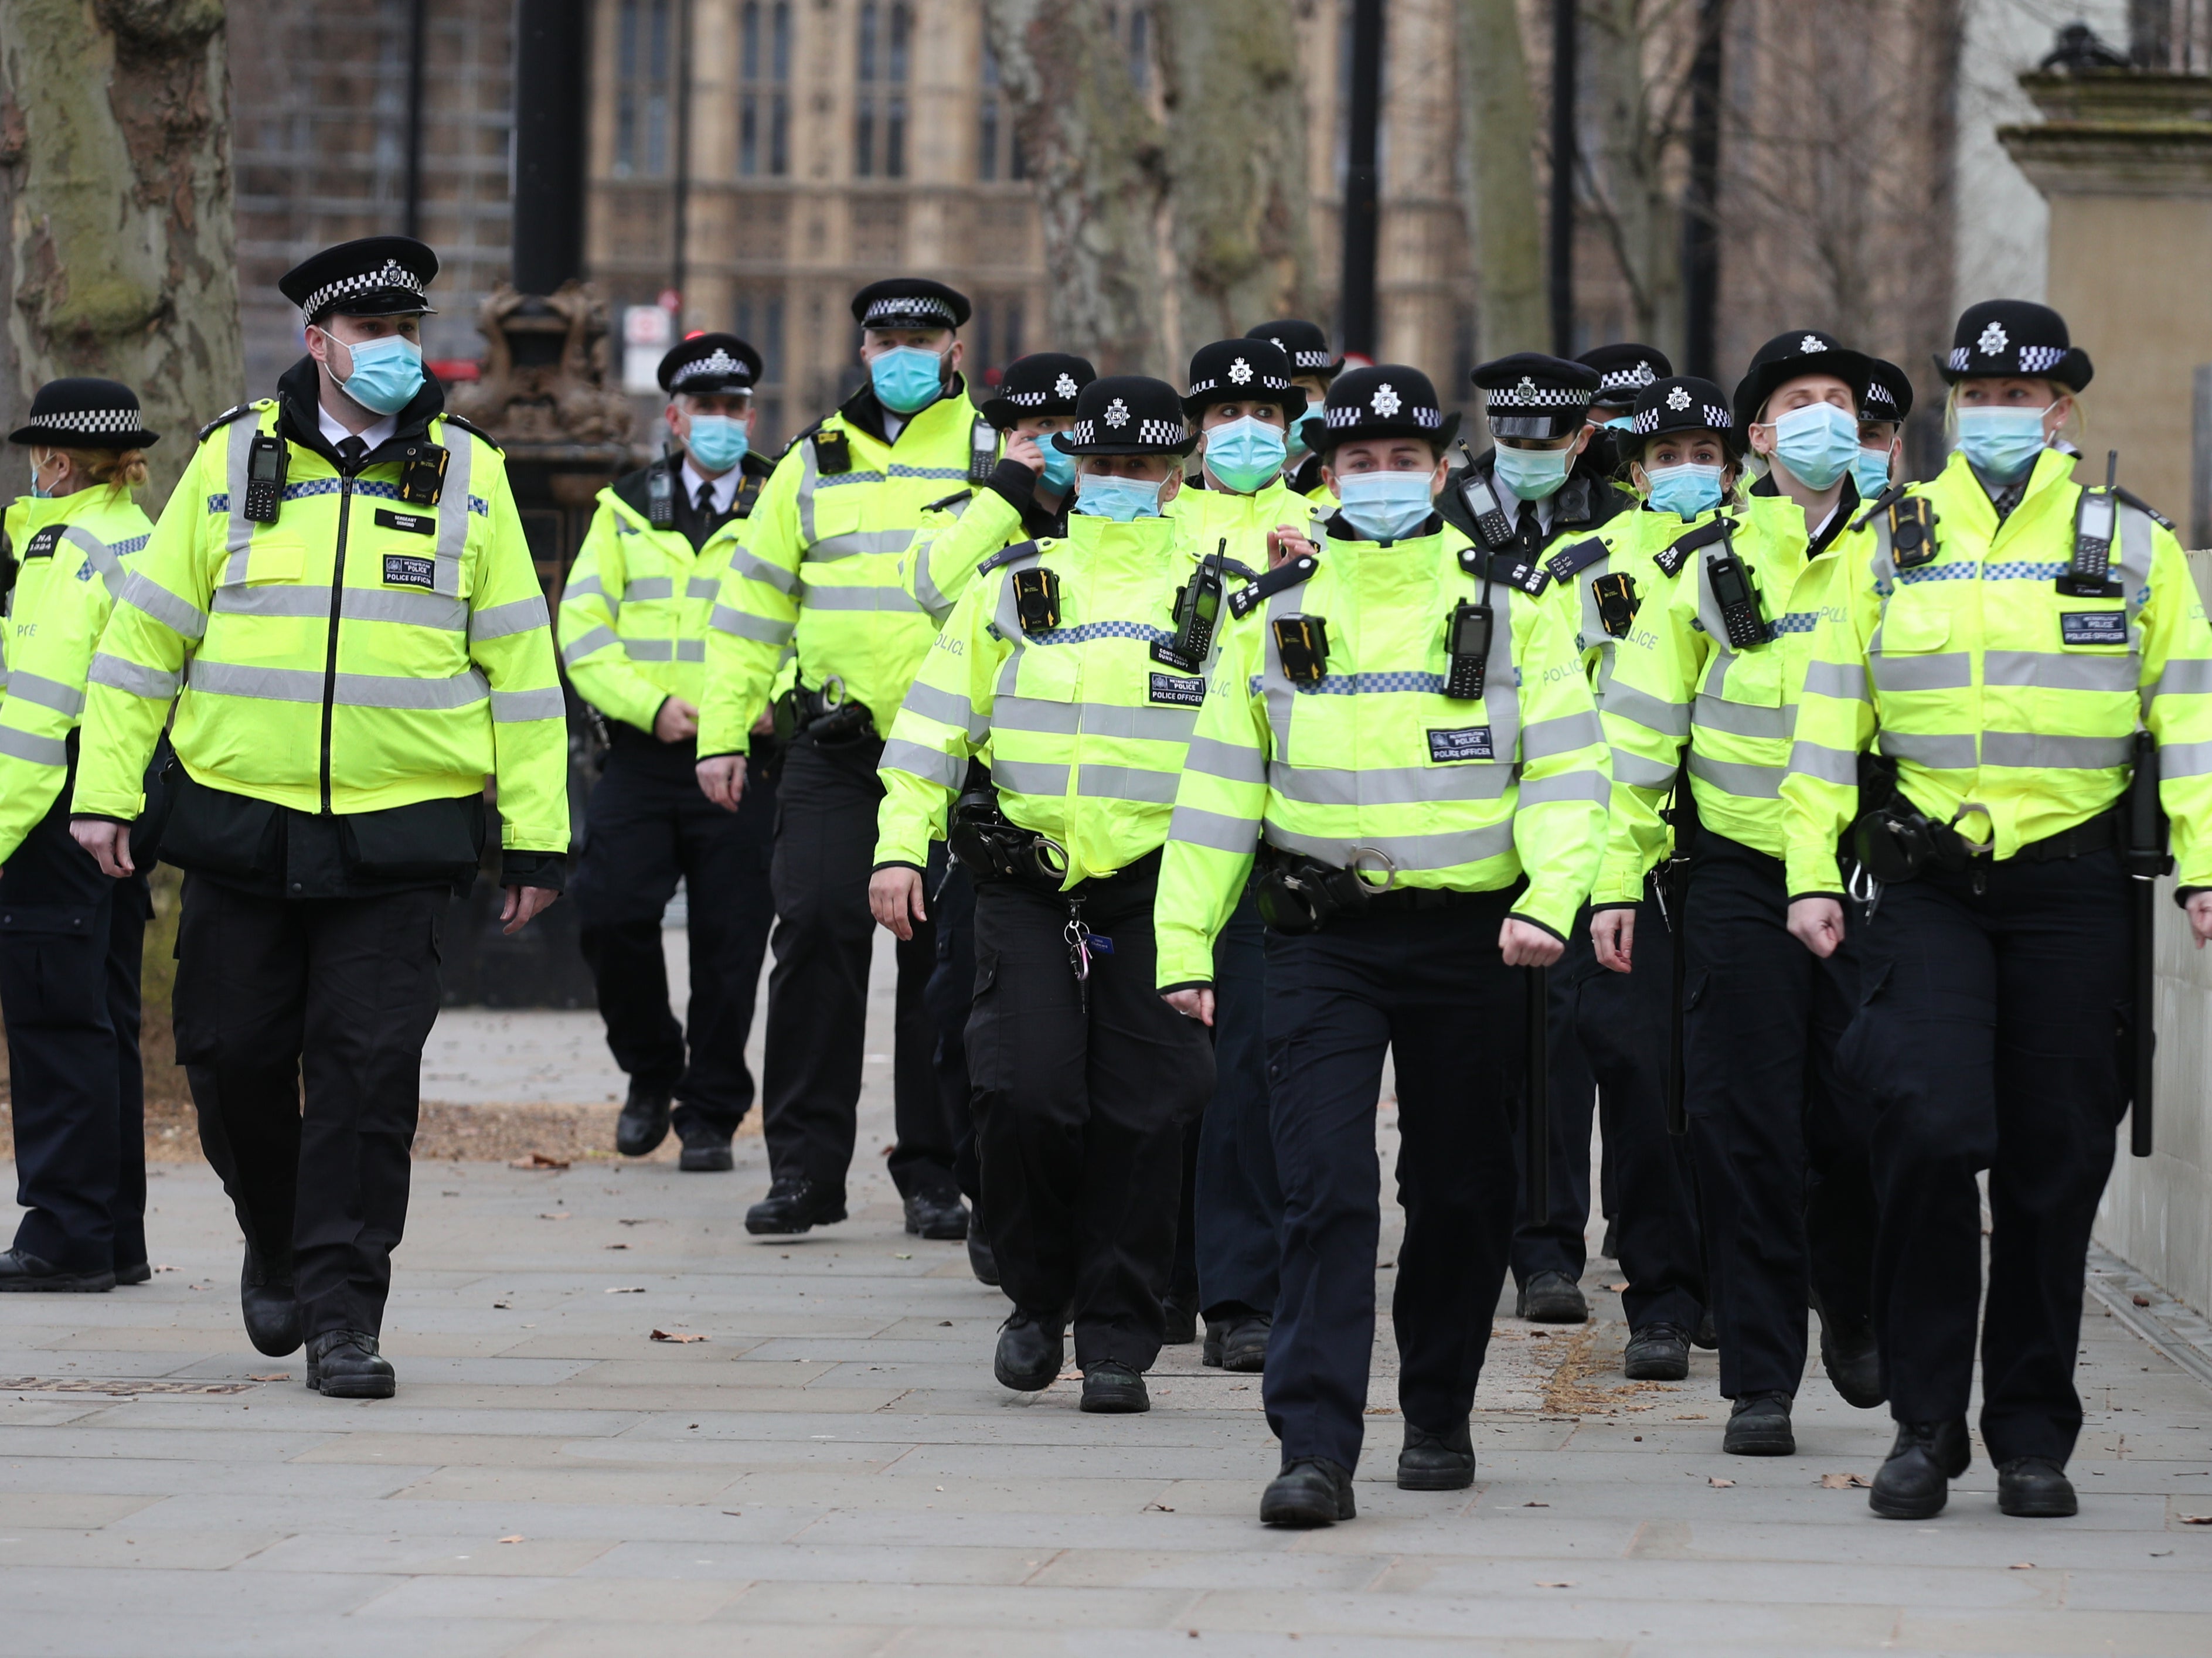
<point x="725" y="487"/>
<point x="373" y="436"/>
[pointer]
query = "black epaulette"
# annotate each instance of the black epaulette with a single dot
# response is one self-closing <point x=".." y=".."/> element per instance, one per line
<point x="1570" y="561"/>
<point x="1257" y="592"/>
<point x="1515" y="571"/>
<point x="1881" y="503"/>
<point x="944" y="501"/>
<point x="2144" y="507"/>
<point x="1673" y="557"/>
<point x="229" y="414"/>
<point x="1005" y="556"/>
<point x="472" y="429"/>
<point x="798" y="438"/>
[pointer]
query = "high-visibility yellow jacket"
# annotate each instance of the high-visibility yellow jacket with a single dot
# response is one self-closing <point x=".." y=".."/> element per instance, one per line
<point x="1086" y="731"/>
<point x="1986" y="684"/>
<point x="959" y="532"/>
<point x="1459" y="795"/>
<point x="635" y="608"/>
<point x="823" y="564"/>
<point x="72" y="554"/>
<point x="357" y="654"/>
<point x="1211" y="516"/>
<point x="1678" y="685"/>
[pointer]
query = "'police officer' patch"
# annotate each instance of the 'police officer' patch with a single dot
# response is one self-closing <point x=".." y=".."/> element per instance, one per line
<point x="1175" y="689"/>
<point x="1470" y="743"/>
<point x="406" y="570"/>
<point x="420" y="524"/>
<point x="2094" y="627"/>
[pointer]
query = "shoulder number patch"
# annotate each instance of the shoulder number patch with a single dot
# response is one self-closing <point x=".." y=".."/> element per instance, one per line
<point x="1177" y="691"/>
<point x="1469" y="743"/>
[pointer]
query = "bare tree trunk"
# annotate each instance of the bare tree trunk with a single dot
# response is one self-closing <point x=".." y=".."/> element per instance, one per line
<point x="1627" y="189"/>
<point x="1504" y="226"/>
<point x="1237" y="166"/>
<point x="1095" y="152"/>
<point x="115" y="179"/>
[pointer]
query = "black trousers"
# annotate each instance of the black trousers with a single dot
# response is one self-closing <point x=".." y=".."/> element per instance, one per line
<point x="1236" y="1199"/>
<point x="1430" y="987"/>
<point x="71" y="945"/>
<point x="646" y="826"/>
<point x="1557" y="1240"/>
<point x="950" y="997"/>
<point x="1082" y="1094"/>
<point x="1778" y="1136"/>
<point x="302" y="1026"/>
<point x="1991" y="1037"/>
<point x="817" y="992"/>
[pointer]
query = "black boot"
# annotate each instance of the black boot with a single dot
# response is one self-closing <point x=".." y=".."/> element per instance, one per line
<point x="1437" y="1462"/>
<point x="345" y="1365"/>
<point x="2035" y="1488"/>
<point x="264" y="1296"/>
<point x="981" y="1260"/>
<point x="644" y="1121"/>
<point x="21" y="1271"/>
<point x="1657" y="1352"/>
<point x="1115" y="1389"/>
<point x="1552" y="1298"/>
<point x="1705" y="1335"/>
<point x="138" y="1271"/>
<point x="1849" y="1356"/>
<point x="1030" y="1351"/>
<point x="1311" y="1491"/>
<point x="1244" y="1342"/>
<point x="793" y="1206"/>
<point x="939" y="1215"/>
<point x="1914" y="1482"/>
<point x="1180" y="1324"/>
<point x="1759" y="1425"/>
<point x="706" y="1152"/>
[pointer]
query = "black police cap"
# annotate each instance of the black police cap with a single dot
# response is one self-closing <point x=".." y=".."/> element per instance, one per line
<point x="1623" y="370"/>
<point x="707" y="365"/>
<point x="1887" y="394"/>
<point x="1389" y="400"/>
<point x="85" y="414"/>
<point x="374" y="277"/>
<point x="1790" y="355"/>
<point x="2014" y="337"/>
<point x="909" y="302"/>
<point x="1242" y="371"/>
<point x="1681" y="403"/>
<point x="1043" y="383"/>
<point x="1530" y="395"/>
<point x="1127" y="415"/>
<point x="1303" y="343"/>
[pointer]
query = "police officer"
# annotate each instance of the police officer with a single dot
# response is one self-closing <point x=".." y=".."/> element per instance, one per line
<point x="70" y="937"/>
<point x="1067" y="659"/>
<point x="1884" y="402"/>
<point x="1410" y="745"/>
<point x="1624" y="368"/>
<point x="1313" y="368"/>
<point x="633" y="627"/>
<point x="340" y="603"/>
<point x="2008" y="634"/>
<point x="1707" y="684"/>
<point x="823" y="569"/>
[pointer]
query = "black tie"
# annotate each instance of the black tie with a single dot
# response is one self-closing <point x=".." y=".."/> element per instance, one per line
<point x="351" y="450"/>
<point x="705" y="502"/>
<point x="1529" y="532"/>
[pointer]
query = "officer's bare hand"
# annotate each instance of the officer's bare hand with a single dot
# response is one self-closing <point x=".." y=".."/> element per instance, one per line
<point x="677" y="722"/>
<point x="1285" y="542"/>
<point x="1024" y="452"/>
<point x="1523" y="945"/>
<point x="522" y="904"/>
<point x="108" y="843"/>
<point x="722" y="780"/>
<point x="1613" y="932"/>
<point x="1192" y="1004"/>
<point x="2200" y="917"/>
<point x="1818" y="924"/>
<point x="895" y="898"/>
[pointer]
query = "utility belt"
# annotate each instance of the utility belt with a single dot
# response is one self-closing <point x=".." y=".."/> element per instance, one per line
<point x="1298" y="894"/>
<point x="824" y="714"/>
<point x="990" y="848"/>
<point x="1894" y="840"/>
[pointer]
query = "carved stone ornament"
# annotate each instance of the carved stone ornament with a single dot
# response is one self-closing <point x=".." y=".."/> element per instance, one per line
<point x="545" y="383"/>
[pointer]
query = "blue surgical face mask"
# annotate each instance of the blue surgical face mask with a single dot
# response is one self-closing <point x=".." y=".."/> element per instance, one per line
<point x="1532" y="474"/>
<point x="1619" y="423"/>
<point x="1386" y="506"/>
<point x="2002" y="442"/>
<point x="1059" y="464"/>
<point x="1816" y="443"/>
<point x="1100" y="495"/>
<point x="1243" y="454"/>
<point x="908" y="378"/>
<point x="39" y="491"/>
<point x="1684" y="491"/>
<point x="387" y="372"/>
<point x="1871" y="472"/>
<point x="717" y="442"/>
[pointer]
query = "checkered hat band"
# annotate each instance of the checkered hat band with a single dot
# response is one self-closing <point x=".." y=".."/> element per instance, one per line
<point x="1541" y="397"/>
<point x="90" y="422"/>
<point x="1627" y="379"/>
<point x="1026" y="400"/>
<point x="1083" y="432"/>
<point x="1310" y="360"/>
<point x="919" y="305"/>
<point x="721" y="366"/>
<point x="1358" y="415"/>
<point x="1261" y="382"/>
<point x="1715" y="418"/>
<point x="1879" y="393"/>
<point x="2033" y="359"/>
<point x="392" y="274"/>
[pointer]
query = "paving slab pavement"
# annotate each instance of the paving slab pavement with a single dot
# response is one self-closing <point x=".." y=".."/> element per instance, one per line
<point x="832" y="1471"/>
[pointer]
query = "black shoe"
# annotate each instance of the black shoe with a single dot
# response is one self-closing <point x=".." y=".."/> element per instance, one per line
<point x="793" y="1206"/>
<point x="1244" y="1342"/>
<point x="1847" y="1354"/>
<point x="706" y="1157"/>
<point x="1311" y="1491"/>
<point x="1610" y="1249"/>
<point x="1759" y="1425"/>
<point x="981" y="1260"/>
<point x="264" y="1296"/>
<point x="1914" y="1482"/>
<point x="1030" y="1352"/>
<point x="2035" y="1488"/>
<point x="1437" y="1462"/>
<point x="1657" y="1352"/>
<point x="1180" y="1329"/>
<point x="345" y="1365"/>
<point x="22" y="1270"/>
<point x="1115" y="1389"/>
<point x="939" y="1215"/>
<point x="138" y="1271"/>
<point x="1552" y="1298"/>
<point x="1705" y="1335"/>
<point x="644" y="1121"/>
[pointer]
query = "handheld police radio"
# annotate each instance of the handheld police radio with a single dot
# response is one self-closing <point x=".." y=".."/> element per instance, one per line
<point x="1467" y="634"/>
<point x="1197" y="612"/>
<point x="266" y="461"/>
<point x="661" y="495"/>
<point x="2096" y="518"/>
<point x="982" y="451"/>
<point x="1742" y="614"/>
<point x="1489" y="520"/>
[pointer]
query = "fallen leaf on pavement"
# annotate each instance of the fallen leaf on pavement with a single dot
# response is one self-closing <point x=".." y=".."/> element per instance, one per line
<point x="2021" y="1565"/>
<point x="1149" y="1507"/>
<point x="1715" y="1479"/>
<point x="908" y="1255"/>
<point x="538" y="1160"/>
<point x="503" y="1306"/>
<point x="1555" y="1583"/>
<point x="614" y="1246"/>
<point x="2197" y="1519"/>
<point x="1617" y="1288"/>
<point x="2140" y="1299"/>
<point x="516" y="1538"/>
<point x="273" y="1376"/>
<point x="1535" y="1505"/>
<point x="625" y="1289"/>
<point x="1844" y="1482"/>
<point x="558" y="1215"/>
<point x="676" y="1335"/>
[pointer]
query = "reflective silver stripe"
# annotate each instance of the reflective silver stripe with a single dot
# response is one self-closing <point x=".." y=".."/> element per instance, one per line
<point x="578" y="648"/>
<point x="650" y="586"/>
<point x="926" y="592"/>
<point x="1030" y="777"/>
<point x="803" y="501"/>
<point x="1126" y="783"/>
<point x="39" y="750"/>
<point x="1734" y="777"/>
<point x="1652" y="713"/>
<point x="1408" y="851"/>
<point x="690" y="650"/>
<point x="1212" y="829"/>
<point x="1843" y="680"/>
<point x="1587" y="785"/>
<point x="1937" y="753"/>
<point x="46" y="692"/>
<point x="372" y="690"/>
<point x="583" y="587"/>
<point x="100" y="555"/>
<point x="513" y="707"/>
<point x="1817" y="761"/>
<point x="412" y="609"/>
<point x="1718" y="714"/>
<point x="745" y="625"/>
<point x="2062" y="672"/>
<point x="754" y="568"/>
<point x="1563" y="734"/>
<point x="1230" y="761"/>
<point x="947" y="709"/>
<point x="931" y="765"/>
<point x="1636" y="771"/>
<point x="142" y="593"/>
<point x="239" y="535"/>
<point x="2190" y="675"/>
<point x="2185" y="759"/>
<point x="154" y="683"/>
<point x="701" y="586"/>
<point x="649" y="650"/>
<point x="1388" y="785"/>
<point x="454" y="511"/>
<point x="1035" y="714"/>
<point x="269" y="684"/>
<point x="858" y="542"/>
<point x="298" y="602"/>
<point x="519" y="616"/>
<point x="1945" y="671"/>
<point x="817" y="597"/>
<point x="2048" y="751"/>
